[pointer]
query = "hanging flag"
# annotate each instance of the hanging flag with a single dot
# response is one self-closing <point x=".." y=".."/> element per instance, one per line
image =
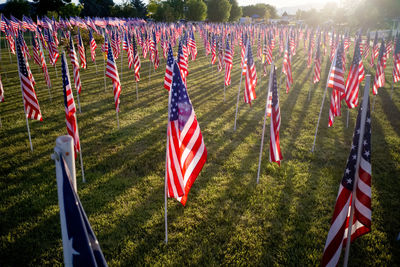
<point x="69" y="104"/>
<point x="251" y="78"/>
<point x="31" y="104"/>
<point x="355" y="77"/>
<point x="379" y="80"/>
<point x="287" y="67"/>
<point x="81" y="50"/>
<point x="93" y="46"/>
<point x="336" y="82"/>
<point x="357" y="171"/>
<point x="186" y="151"/>
<point x="81" y="247"/>
<point x="168" y="69"/>
<point x="275" y="154"/>
<point x="396" y="60"/>
<point x="136" y="59"/>
<point x="192" y="45"/>
<point x="75" y="65"/>
<point x="214" y="50"/>
<point x="1" y="91"/>
<point x="317" y="64"/>
<point x="228" y="59"/>
<point x="182" y="63"/>
<point x="112" y="73"/>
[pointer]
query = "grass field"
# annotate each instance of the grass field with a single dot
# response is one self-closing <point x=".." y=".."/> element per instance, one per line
<point x="229" y="219"/>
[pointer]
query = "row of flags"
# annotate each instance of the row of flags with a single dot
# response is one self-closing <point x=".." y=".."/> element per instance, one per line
<point x="186" y="152"/>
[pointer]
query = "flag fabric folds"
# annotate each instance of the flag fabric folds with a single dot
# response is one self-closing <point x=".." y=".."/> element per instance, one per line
<point x="358" y="172"/>
<point x="112" y="73"/>
<point x="82" y="247"/>
<point x="275" y="154"/>
<point x="355" y="77"/>
<point x="31" y="104"/>
<point x="379" y="80"/>
<point x="287" y="67"/>
<point x="69" y="104"/>
<point x="186" y="151"/>
<point x="228" y="60"/>
<point x="168" y="69"/>
<point x="396" y="60"/>
<point x="251" y="78"/>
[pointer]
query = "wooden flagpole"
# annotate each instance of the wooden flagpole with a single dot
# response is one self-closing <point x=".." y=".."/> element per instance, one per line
<point x="265" y="118"/>
<point x="360" y="142"/>
<point x="240" y="84"/>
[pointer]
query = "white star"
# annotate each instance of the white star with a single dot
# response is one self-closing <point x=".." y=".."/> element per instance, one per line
<point x="347" y="171"/>
<point x="71" y="249"/>
<point x="365" y="142"/>
<point x="349" y="181"/>
<point x="366" y="153"/>
<point x="353" y="146"/>
<point x="354" y="156"/>
<point x="369" y="120"/>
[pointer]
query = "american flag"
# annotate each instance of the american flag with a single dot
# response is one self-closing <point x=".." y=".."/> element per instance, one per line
<point x="317" y="64"/>
<point x="192" y="45"/>
<point x="379" y="80"/>
<point x="182" y="63"/>
<point x="220" y="55"/>
<point x="228" y="59"/>
<point x="156" y="59"/>
<point x="366" y="46"/>
<point x="35" y="49"/>
<point x="310" y="50"/>
<point x="21" y="42"/>
<point x="31" y="104"/>
<point x="375" y="49"/>
<point x="214" y="50"/>
<point x="275" y="154"/>
<point x="396" y="60"/>
<point x="81" y="50"/>
<point x="82" y="248"/>
<point x="251" y="78"/>
<point x="69" y="104"/>
<point x="267" y="52"/>
<point x="186" y="151"/>
<point x="1" y="91"/>
<point x="114" y="45"/>
<point x="337" y="236"/>
<point x="168" y="69"/>
<point x="53" y="51"/>
<point x="287" y="67"/>
<point x="355" y="77"/>
<point x="75" y="65"/>
<point x="112" y="73"/>
<point x="136" y="59"/>
<point x="93" y="46"/>
<point x="336" y="82"/>
<point x="243" y="55"/>
<point x="43" y="63"/>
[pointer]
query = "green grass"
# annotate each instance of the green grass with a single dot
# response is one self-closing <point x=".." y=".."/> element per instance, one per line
<point x="229" y="219"/>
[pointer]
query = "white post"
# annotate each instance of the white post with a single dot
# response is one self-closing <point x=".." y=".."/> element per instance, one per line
<point x="65" y="144"/>
<point x="240" y="84"/>
<point x="360" y="142"/>
<point x="265" y="118"/>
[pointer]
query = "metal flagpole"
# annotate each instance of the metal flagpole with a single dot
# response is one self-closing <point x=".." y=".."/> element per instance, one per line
<point x="165" y="178"/>
<point x="360" y="142"/>
<point x="320" y="111"/>
<point x="137" y="94"/>
<point x="23" y="103"/>
<point x="117" y="118"/>
<point x="311" y="86"/>
<point x="265" y="118"/>
<point x="79" y="102"/>
<point x="240" y="84"/>
<point x="80" y="151"/>
<point x="104" y="59"/>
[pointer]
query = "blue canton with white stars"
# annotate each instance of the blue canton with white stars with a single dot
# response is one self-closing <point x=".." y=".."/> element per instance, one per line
<point x="339" y="59"/>
<point x="180" y="106"/>
<point x="357" y="54"/>
<point x="110" y="54"/>
<point x="170" y="59"/>
<point x="350" y="171"/>
<point x="382" y="50"/>
<point x="21" y="59"/>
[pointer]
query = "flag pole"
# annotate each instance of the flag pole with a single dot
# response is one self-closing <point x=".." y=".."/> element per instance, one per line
<point x="224" y="89"/>
<point x="165" y="177"/>
<point x="122" y="56"/>
<point x="312" y="78"/>
<point x="148" y="84"/>
<point x="104" y="59"/>
<point x="80" y="150"/>
<point x="347" y="119"/>
<point x="391" y="92"/>
<point x="9" y="52"/>
<point x="265" y="118"/>
<point x="55" y="67"/>
<point x="79" y="102"/>
<point x="360" y="142"/>
<point x="137" y="94"/>
<point x="320" y="111"/>
<point x="116" y="111"/>
<point x="23" y="103"/>
<point x="240" y="84"/>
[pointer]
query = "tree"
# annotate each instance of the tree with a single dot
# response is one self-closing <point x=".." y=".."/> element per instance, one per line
<point x="218" y="10"/>
<point x="43" y="6"/>
<point x="140" y="7"/>
<point x="260" y="10"/>
<point x="17" y="8"/>
<point x="236" y="11"/>
<point x="197" y="10"/>
<point x="125" y="10"/>
<point x="96" y="8"/>
<point x="71" y="10"/>
<point x="177" y="8"/>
